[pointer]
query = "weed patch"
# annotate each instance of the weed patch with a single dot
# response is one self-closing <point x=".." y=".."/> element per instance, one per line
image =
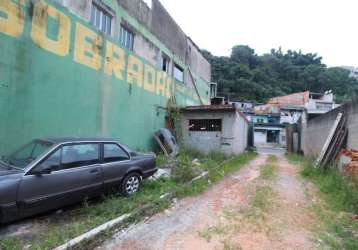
<point x="268" y="171"/>
<point x="340" y="202"/>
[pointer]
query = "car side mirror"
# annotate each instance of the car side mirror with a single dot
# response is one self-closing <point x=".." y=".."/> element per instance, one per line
<point x="41" y="172"/>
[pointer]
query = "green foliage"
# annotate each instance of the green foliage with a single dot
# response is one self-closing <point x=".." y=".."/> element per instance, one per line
<point x="341" y="196"/>
<point x="245" y="75"/>
<point x="340" y="193"/>
<point x="268" y="171"/>
<point x="184" y="171"/>
<point x="10" y="244"/>
<point x="217" y="170"/>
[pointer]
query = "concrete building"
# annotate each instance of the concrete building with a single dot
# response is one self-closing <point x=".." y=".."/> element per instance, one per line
<point x="221" y="128"/>
<point x="291" y="114"/>
<point x="291" y="107"/>
<point x="268" y="131"/>
<point x="94" y="68"/>
<point x="246" y="107"/>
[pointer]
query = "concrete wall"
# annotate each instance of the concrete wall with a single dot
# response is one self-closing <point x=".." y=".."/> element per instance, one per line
<point x="181" y="49"/>
<point x="231" y="140"/>
<point x="240" y="131"/>
<point x="60" y="76"/>
<point x="164" y="27"/>
<point x="315" y="131"/>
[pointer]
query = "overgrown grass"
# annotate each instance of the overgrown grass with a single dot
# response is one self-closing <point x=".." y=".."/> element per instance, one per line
<point x="268" y="171"/>
<point x="340" y="198"/>
<point x="216" y="172"/>
<point x="340" y="193"/>
<point x="146" y="203"/>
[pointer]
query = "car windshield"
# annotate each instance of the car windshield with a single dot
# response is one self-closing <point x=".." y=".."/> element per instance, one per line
<point x="27" y="154"/>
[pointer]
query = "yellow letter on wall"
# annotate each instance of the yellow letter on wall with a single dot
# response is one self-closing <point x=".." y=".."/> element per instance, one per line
<point x="114" y="61"/>
<point x="149" y="78"/>
<point x="169" y="85"/>
<point x="161" y="83"/>
<point x="88" y="47"/>
<point x="13" y="22"/>
<point x="39" y="31"/>
<point x="135" y="71"/>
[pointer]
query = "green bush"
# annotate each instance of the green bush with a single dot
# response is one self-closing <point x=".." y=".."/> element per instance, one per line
<point x="340" y="193"/>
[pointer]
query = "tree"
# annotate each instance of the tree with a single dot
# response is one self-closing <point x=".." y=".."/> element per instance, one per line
<point x="245" y="75"/>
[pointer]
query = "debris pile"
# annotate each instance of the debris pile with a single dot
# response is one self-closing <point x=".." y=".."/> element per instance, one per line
<point x="167" y="142"/>
<point x="334" y="142"/>
<point x="351" y="167"/>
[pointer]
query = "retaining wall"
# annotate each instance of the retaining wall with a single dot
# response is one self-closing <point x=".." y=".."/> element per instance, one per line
<point x="315" y="132"/>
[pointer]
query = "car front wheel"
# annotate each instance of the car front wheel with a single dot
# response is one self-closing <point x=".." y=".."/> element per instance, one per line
<point x="131" y="184"/>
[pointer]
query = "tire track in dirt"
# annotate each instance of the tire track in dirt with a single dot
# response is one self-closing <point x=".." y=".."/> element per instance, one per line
<point x="223" y="217"/>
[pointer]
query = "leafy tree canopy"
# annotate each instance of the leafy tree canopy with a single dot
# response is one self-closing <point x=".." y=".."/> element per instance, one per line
<point x="247" y="76"/>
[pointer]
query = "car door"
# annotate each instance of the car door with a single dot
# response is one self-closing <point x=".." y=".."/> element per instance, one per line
<point x="75" y="174"/>
<point x="115" y="164"/>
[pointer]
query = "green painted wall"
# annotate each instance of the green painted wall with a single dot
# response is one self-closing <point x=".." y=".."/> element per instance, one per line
<point x="43" y="94"/>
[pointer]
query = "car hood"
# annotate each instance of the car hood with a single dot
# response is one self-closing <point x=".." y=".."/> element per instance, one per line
<point x="5" y="173"/>
<point x="9" y="182"/>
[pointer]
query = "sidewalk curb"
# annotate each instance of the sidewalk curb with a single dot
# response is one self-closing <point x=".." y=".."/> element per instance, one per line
<point x="93" y="232"/>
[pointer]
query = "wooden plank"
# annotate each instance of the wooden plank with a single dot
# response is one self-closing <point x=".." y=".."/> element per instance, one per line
<point x="339" y="145"/>
<point x="329" y="139"/>
<point x="161" y="145"/>
<point x="336" y="142"/>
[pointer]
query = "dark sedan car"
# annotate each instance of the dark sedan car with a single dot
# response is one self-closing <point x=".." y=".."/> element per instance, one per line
<point x="51" y="173"/>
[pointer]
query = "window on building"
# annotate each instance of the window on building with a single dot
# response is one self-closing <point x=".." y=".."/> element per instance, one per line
<point x="213" y="90"/>
<point x="113" y="153"/>
<point x="205" y="125"/>
<point x="178" y="73"/>
<point x="101" y="19"/>
<point x="165" y="63"/>
<point x="126" y="38"/>
<point x="324" y="106"/>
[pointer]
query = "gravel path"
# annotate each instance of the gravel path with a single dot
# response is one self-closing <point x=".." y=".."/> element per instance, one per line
<point x="220" y="218"/>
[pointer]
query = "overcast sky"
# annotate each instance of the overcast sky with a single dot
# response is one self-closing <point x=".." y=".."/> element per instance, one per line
<point x="326" y="27"/>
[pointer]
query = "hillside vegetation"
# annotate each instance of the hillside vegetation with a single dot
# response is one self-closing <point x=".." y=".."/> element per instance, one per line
<point x="248" y="76"/>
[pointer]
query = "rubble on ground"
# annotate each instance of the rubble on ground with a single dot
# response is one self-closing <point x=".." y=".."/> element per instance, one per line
<point x="349" y="163"/>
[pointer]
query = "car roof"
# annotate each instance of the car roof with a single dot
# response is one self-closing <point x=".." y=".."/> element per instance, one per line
<point x="59" y="140"/>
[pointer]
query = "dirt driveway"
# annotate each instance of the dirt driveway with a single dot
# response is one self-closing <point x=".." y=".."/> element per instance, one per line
<point x="262" y="206"/>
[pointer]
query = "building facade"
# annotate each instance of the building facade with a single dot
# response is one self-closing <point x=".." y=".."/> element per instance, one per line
<point x="215" y="128"/>
<point x="293" y="106"/>
<point x="268" y="131"/>
<point x="94" y="68"/>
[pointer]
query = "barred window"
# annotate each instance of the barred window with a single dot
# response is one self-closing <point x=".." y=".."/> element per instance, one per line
<point x="205" y="125"/>
<point x="101" y="19"/>
<point x="126" y="38"/>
